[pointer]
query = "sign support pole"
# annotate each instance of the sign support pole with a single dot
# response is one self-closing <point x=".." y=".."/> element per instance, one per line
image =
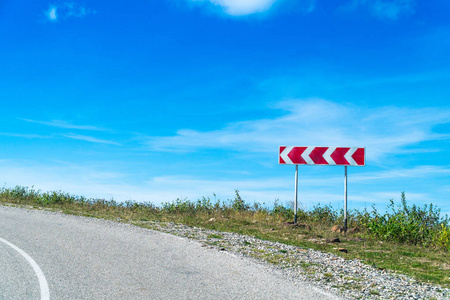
<point x="329" y="156"/>
<point x="296" y="194"/>
<point x="345" y="200"/>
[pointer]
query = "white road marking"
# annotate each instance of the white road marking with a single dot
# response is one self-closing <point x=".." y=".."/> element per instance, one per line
<point x="45" y="292"/>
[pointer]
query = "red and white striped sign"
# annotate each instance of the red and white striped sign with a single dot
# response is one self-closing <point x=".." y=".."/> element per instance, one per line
<point x="328" y="156"/>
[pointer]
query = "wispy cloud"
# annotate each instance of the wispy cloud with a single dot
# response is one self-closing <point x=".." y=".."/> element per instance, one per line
<point x="393" y="9"/>
<point x="386" y="9"/>
<point x="100" y="181"/>
<point x="27" y="136"/>
<point x="56" y="12"/>
<point x="64" y="124"/>
<point x="399" y="173"/>
<point x="95" y="181"/>
<point x="90" y="139"/>
<point x="74" y="10"/>
<point x="318" y="122"/>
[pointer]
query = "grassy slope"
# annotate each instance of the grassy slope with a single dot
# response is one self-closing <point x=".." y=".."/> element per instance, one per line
<point x="425" y="263"/>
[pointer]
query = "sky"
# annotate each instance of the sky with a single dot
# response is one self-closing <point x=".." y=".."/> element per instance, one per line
<point x="154" y="100"/>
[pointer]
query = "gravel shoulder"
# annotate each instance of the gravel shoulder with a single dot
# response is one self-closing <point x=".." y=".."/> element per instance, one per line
<point x="349" y="278"/>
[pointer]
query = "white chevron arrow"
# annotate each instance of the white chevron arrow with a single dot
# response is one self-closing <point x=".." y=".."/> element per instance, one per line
<point x="327" y="155"/>
<point x="348" y="156"/>
<point x="284" y="154"/>
<point x="306" y="154"/>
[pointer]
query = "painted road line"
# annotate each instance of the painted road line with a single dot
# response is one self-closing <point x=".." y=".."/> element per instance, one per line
<point x="45" y="292"/>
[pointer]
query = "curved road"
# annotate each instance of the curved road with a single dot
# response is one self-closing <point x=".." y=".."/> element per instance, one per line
<point x="84" y="258"/>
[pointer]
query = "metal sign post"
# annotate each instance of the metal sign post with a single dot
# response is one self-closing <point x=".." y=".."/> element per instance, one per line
<point x="296" y="194"/>
<point x="325" y="156"/>
<point x="345" y="200"/>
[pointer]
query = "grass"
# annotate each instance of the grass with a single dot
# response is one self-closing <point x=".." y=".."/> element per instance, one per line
<point x="381" y="240"/>
<point x="215" y="236"/>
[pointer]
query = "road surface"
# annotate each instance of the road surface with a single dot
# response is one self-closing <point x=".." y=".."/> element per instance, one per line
<point x="83" y="258"/>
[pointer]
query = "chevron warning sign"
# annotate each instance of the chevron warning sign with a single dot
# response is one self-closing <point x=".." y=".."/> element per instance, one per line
<point x="329" y="156"/>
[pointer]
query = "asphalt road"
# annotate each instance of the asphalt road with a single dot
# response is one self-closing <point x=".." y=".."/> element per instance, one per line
<point x="83" y="258"/>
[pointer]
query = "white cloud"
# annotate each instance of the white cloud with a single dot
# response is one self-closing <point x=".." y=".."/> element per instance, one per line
<point x="250" y="7"/>
<point x="317" y="122"/>
<point x="74" y="10"/>
<point x="78" y="179"/>
<point x="27" y="136"/>
<point x="419" y="172"/>
<point x="239" y="7"/>
<point x="51" y="13"/>
<point x="66" y="10"/>
<point x="99" y="181"/>
<point x="90" y="139"/>
<point x="64" y="124"/>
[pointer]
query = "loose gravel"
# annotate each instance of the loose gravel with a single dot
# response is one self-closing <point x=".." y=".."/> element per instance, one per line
<point x="349" y="278"/>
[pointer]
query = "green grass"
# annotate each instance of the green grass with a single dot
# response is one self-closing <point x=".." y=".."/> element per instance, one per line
<point x="421" y="251"/>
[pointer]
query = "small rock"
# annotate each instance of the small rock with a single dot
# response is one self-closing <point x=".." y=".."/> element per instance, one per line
<point x="336" y="228"/>
<point x="333" y="240"/>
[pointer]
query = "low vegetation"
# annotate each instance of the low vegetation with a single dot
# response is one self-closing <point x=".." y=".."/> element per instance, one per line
<point x="408" y="239"/>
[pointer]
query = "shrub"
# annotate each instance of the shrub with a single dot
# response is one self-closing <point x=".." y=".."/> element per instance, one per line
<point x="442" y="239"/>
<point x="282" y="211"/>
<point x="238" y="203"/>
<point x="405" y="224"/>
<point x="324" y="214"/>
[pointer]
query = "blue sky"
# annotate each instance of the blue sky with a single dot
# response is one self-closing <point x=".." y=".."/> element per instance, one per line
<point x="154" y="100"/>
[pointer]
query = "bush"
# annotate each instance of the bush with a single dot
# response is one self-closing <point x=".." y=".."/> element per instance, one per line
<point x="442" y="239"/>
<point x="405" y="224"/>
<point x="324" y="214"/>
<point x="283" y="211"/>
